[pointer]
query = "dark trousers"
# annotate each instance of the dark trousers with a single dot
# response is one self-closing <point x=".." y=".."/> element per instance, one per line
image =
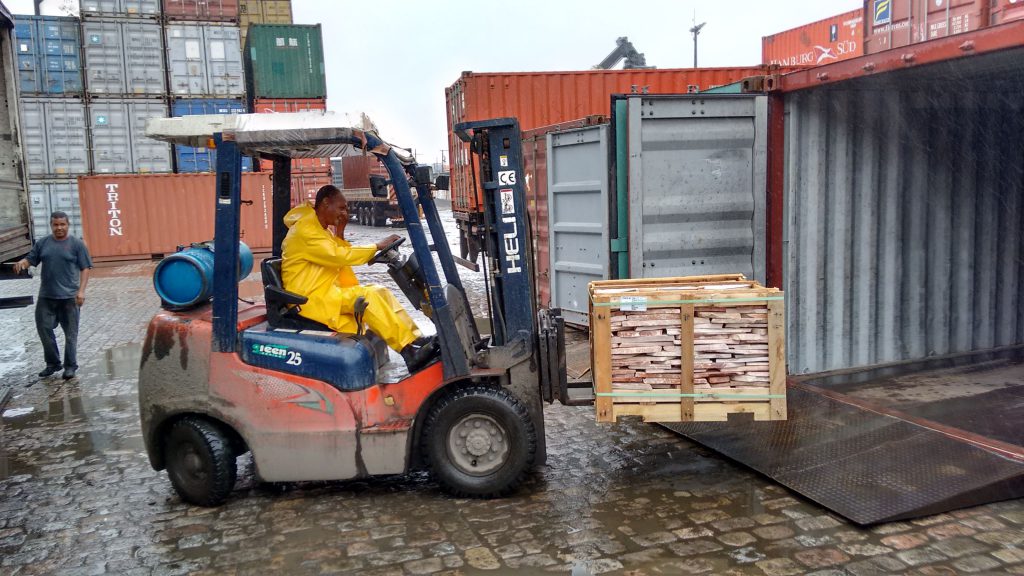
<point x="51" y="312"/>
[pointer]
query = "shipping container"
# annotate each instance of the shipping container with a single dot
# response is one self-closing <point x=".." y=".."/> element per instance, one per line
<point x="273" y="106"/>
<point x="284" y="61"/>
<point x="545" y="98"/>
<point x="840" y="37"/>
<point x="205" y="10"/>
<point x="356" y="170"/>
<point x="898" y="23"/>
<point x="54" y="131"/>
<point x="119" y="8"/>
<point x="204" y="60"/>
<point x="1003" y="11"/>
<point x="899" y="239"/>
<point x="135" y="216"/>
<point x="123" y="58"/>
<point x="305" y="185"/>
<point x="48" y="196"/>
<point x="49" y="55"/>
<point x="581" y="151"/>
<point x="263" y="12"/>
<point x="189" y="159"/>
<point x="118" y="134"/>
<point x="15" y="218"/>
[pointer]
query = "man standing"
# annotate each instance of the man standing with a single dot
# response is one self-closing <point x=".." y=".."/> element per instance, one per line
<point x="66" y="263"/>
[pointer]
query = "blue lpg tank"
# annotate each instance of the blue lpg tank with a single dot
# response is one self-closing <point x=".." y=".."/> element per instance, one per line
<point x="185" y="279"/>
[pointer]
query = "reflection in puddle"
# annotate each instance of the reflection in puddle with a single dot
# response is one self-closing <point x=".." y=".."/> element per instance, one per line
<point x="123" y="361"/>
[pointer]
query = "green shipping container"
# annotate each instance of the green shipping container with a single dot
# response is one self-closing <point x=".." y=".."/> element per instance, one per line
<point x="284" y="61"/>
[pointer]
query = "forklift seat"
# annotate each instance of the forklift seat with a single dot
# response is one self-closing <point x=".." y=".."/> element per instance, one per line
<point x="283" y="306"/>
<point x="283" y="311"/>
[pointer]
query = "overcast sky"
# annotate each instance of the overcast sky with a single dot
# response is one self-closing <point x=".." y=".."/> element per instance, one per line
<point x="393" y="58"/>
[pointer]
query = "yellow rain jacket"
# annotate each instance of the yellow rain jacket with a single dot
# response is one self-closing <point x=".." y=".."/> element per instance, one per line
<point x="318" y="265"/>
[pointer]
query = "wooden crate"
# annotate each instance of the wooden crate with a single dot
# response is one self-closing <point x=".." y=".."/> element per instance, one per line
<point x="690" y="349"/>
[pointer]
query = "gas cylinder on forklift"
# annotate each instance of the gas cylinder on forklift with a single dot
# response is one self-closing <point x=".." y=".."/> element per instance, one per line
<point x="309" y="403"/>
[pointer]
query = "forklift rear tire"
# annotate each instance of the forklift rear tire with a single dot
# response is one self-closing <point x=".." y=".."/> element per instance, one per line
<point x="479" y="442"/>
<point x="200" y="461"/>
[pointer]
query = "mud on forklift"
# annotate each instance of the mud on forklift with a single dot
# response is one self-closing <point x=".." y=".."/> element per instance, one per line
<point x="223" y="378"/>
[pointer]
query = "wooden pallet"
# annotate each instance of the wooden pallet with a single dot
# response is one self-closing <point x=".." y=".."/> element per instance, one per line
<point x="695" y="348"/>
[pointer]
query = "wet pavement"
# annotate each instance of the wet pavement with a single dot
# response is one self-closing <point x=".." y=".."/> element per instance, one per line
<point x="77" y="495"/>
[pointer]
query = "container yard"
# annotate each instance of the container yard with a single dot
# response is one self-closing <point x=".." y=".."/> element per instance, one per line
<point x="743" y="319"/>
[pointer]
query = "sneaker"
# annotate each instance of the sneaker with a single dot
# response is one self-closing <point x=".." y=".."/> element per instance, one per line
<point x="69" y="373"/>
<point x="49" y="371"/>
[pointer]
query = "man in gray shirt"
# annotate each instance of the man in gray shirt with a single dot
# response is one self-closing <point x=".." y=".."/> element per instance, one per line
<point x="66" y="263"/>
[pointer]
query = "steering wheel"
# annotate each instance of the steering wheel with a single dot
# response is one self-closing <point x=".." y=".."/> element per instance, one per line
<point x="378" y="257"/>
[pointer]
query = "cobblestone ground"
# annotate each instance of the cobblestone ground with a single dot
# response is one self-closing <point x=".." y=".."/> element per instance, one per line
<point x="77" y="495"/>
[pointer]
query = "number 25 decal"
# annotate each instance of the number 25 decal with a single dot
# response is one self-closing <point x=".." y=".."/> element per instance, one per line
<point x="294" y="358"/>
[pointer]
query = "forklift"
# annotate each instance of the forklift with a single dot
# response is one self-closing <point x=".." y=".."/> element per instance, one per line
<point x="224" y="378"/>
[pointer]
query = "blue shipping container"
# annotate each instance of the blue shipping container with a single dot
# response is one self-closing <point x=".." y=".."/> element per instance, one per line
<point x="49" y="54"/>
<point x="204" y="159"/>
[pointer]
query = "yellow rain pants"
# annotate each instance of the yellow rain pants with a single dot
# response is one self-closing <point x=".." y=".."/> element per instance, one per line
<point x="318" y="265"/>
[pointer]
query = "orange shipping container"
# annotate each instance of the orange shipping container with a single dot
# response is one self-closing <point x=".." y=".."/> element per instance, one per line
<point x="356" y="170"/>
<point x="146" y="216"/>
<point x="830" y="40"/>
<point x="1006" y="11"/>
<point x="544" y="98"/>
<point x="897" y="23"/>
<point x="273" y="105"/>
<point x="306" y="184"/>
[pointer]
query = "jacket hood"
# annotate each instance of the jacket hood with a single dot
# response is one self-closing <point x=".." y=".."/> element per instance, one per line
<point x="300" y="212"/>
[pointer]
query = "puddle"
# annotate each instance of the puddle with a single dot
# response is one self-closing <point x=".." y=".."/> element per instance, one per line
<point x="123" y="361"/>
<point x="16" y="412"/>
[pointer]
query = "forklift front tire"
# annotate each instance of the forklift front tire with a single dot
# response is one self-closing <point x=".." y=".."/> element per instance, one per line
<point x="479" y="442"/>
<point x="200" y="461"/>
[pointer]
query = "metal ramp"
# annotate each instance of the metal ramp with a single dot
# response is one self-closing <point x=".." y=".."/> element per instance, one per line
<point x="871" y="462"/>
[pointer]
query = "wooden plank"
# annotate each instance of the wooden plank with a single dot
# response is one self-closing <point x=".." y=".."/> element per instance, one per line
<point x="601" y="348"/>
<point x="710" y="412"/>
<point x="777" y="355"/>
<point x="686" y="404"/>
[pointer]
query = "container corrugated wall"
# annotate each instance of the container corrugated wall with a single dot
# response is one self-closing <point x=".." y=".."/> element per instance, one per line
<point x="120" y="8"/>
<point x="119" y="143"/>
<point x="207" y="10"/>
<point x="54" y="132"/>
<point x="284" y="61"/>
<point x="356" y="170"/>
<point x="49" y="60"/>
<point x="1003" y="11"/>
<point x="48" y="196"/>
<point x="305" y="186"/>
<point x="544" y="98"/>
<point x="131" y="216"/>
<point x="273" y="106"/>
<point x="263" y="12"/>
<point x="189" y="159"/>
<point x="337" y="174"/>
<point x="205" y="60"/>
<point x="124" y="58"/>
<point x="840" y="37"/>
<point x="904" y="217"/>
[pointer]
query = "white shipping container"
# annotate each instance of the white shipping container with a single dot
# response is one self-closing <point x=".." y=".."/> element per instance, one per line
<point x="123" y="57"/>
<point x="55" y="137"/>
<point x="48" y="196"/>
<point x="119" y="143"/>
<point x="120" y="8"/>
<point x="205" y="60"/>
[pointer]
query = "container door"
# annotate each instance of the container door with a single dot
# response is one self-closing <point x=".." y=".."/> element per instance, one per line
<point x="111" y="137"/>
<point x="33" y="127"/>
<point x="104" y="57"/>
<point x="697" y="167"/>
<point x="187" y="60"/>
<point x="28" y="58"/>
<point x="67" y="146"/>
<point x="144" y="58"/>
<point x="224" y="59"/>
<point x="148" y="155"/>
<point x="577" y="217"/>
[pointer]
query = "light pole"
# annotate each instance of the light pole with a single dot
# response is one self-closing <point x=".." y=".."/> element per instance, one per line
<point x="695" y="31"/>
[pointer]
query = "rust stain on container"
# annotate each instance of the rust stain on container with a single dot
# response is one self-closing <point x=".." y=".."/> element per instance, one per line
<point x="898" y="23"/>
<point x="839" y="37"/>
<point x="206" y="10"/>
<point x="144" y="216"/>
<point x="544" y="98"/>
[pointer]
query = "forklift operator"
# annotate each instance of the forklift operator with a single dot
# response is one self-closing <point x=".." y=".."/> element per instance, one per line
<point x="318" y="265"/>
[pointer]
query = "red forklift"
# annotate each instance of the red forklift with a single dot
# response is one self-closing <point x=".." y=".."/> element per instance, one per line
<point x="221" y="378"/>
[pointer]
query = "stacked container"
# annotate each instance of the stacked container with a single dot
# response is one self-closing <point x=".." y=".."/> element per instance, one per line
<point x="284" y="72"/>
<point x="263" y="12"/>
<point x="898" y="23"/>
<point x="52" y="115"/>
